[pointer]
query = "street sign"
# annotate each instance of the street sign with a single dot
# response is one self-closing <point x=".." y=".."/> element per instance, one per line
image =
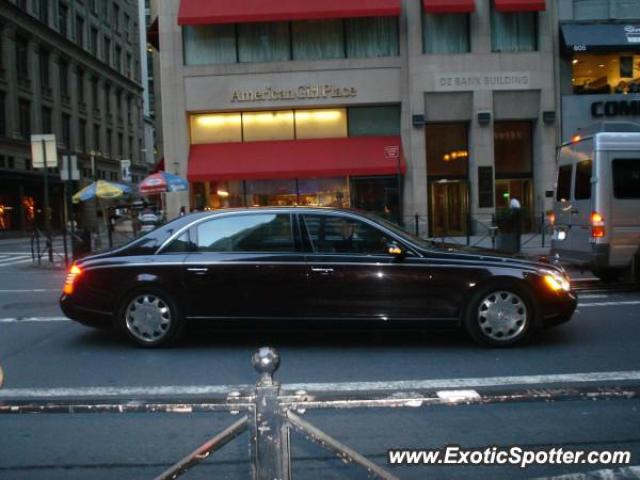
<point x="37" y="153"/>
<point x="125" y="170"/>
<point x="392" y="151"/>
<point x="69" y="172"/>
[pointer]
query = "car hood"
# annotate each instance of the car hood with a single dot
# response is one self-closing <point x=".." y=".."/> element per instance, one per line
<point x="472" y="254"/>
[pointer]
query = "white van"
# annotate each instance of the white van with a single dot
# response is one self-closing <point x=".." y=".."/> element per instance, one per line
<point x="596" y="214"/>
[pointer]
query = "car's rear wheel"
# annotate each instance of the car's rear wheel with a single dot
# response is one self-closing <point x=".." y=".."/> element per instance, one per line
<point x="500" y="315"/>
<point x="151" y="318"/>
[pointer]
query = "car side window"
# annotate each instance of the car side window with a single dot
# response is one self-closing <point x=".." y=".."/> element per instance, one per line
<point x="563" y="190"/>
<point x="264" y="232"/>
<point x="182" y="244"/>
<point x="344" y="235"/>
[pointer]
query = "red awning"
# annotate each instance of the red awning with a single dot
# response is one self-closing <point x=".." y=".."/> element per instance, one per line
<point x="520" y="5"/>
<point x="449" y="6"/>
<point x="153" y="34"/>
<point x="296" y="159"/>
<point x="199" y="12"/>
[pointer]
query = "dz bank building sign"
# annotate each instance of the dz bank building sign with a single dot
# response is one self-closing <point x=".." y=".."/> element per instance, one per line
<point x="303" y="92"/>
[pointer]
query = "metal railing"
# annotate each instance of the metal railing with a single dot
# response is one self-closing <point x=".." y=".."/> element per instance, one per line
<point x="270" y="412"/>
<point x="481" y="230"/>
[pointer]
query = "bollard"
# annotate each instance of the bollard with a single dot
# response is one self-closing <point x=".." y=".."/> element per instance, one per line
<point x="270" y="453"/>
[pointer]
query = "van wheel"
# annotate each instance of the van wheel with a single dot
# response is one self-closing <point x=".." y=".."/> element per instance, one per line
<point x="608" y="275"/>
<point x="150" y="318"/>
<point x="500" y="315"/>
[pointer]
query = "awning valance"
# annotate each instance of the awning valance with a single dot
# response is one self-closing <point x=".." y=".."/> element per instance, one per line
<point x="583" y="37"/>
<point x="449" y="6"/>
<point x="203" y="12"/>
<point x="332" y="157"/>
<point x="520" y="5"/>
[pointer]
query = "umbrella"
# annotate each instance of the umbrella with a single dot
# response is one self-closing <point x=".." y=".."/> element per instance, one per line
<point x="101" y="189"/>
<point x="161" y="182"/>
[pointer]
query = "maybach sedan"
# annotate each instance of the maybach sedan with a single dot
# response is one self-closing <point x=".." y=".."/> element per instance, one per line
<point x="308" y="265"/>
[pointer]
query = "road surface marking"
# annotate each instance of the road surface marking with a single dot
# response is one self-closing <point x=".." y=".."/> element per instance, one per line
<point x="594" y="295"/>
<point x="13" y="261"/>
<point x="437" y="384"/>
<point x="33" y="290"/>
<point x="33" y="319"/>
<point x="59" y="319"/>
<point x="627" y="473"/>
<point x="609" y="304"/>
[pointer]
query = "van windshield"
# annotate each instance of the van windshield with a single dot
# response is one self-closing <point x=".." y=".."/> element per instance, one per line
<point x="626" y="178"/>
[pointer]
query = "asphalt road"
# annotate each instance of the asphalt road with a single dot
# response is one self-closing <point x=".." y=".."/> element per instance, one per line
<point x="40" y="349"/>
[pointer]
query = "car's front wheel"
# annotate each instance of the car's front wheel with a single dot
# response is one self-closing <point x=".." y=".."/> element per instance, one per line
<point x="150" y="318"/>
<point x="500" y="315"/>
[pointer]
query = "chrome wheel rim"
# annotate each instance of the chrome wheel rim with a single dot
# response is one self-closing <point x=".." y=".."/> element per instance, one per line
<point x="148" y="318"/>
<point x="502" y="315"/>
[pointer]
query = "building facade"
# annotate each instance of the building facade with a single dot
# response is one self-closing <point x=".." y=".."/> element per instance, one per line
<point x="71" y="68"/>
<point x="440" y="111"/>
<point x="599" y="63"/>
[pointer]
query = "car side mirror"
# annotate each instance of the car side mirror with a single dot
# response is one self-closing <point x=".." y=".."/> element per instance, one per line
<point x="396" y="250"/>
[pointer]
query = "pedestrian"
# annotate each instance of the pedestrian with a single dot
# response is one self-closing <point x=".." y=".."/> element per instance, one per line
<point x="183" y="212"/>
<point x="516" y="219"/>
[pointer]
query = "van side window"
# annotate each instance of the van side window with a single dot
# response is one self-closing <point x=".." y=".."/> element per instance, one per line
<point x="564" y="182"/>
<point x="582" y="189"/>
<point x="626" y="178"/>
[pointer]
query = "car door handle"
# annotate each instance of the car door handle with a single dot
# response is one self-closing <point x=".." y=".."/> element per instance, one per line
<point x="198" y="269"/>
<point x="321" y="270"/>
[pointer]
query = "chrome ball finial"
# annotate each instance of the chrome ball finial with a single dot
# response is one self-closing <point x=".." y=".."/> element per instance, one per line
<point x="266" y="361"/>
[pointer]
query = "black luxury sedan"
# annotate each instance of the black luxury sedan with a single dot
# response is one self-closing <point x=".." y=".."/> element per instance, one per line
<point x="308" y="264"/>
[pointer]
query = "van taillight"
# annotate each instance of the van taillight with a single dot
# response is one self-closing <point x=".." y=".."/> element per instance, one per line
<point x="69" y="282"/>
<point x="597" y="225"/>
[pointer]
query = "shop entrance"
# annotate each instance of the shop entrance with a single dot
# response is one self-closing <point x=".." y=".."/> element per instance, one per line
<point x="448" y="207"/>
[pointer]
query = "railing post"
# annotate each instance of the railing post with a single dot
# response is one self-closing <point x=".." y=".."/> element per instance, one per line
<point x="270" y="452"/>
<point x="543" y="230"/>
<point x="417" y="224"/>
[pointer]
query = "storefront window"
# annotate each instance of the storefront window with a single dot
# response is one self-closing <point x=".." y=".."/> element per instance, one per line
<point x="216" y="128"/>
<point x="209" y="44"/>
<point x="321" y="123"/>
<point x="324" y="192"/>
<point x="594" y="73"/>
<point x="262" y="126"/>
<point x="514" y="32"/>
<point x="317" y="39"/>
<point x="445" y="33"/>
<point x="372" y="37"/>
<point x="263" y="42"/>
<point x="262" y="193"/>
<point x="364" y="121"/>
<point x="447" y="150"/>
<point x="513" y="151"/>
<point x="513" y="148"/>
<point x="378" y="195"/>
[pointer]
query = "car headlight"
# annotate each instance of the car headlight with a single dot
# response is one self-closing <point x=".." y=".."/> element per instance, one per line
<point x="556" y="282"/>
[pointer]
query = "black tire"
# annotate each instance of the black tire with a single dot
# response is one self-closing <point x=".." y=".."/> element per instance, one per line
<point x="608" y="275"/>
<point x="170" y="321"/>
<point x="473" y="317"/>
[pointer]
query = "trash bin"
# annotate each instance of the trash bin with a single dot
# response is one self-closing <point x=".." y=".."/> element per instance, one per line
<point x="509" y="230"/>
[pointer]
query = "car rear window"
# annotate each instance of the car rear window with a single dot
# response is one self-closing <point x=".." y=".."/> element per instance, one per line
<point x="563" y="190"/>
<point x="626" y="178"/>
<point x="582" y="189"/>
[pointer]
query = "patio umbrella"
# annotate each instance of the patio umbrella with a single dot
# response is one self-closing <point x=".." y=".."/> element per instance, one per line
<point x="161" y="182"/>
<point x="101" y="189"/>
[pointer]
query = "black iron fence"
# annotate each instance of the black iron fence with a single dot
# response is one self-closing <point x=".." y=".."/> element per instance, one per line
<point x="270" y="412"/>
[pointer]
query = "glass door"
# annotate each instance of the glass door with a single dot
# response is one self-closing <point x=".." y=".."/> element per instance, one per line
<point x="448" y="208"/>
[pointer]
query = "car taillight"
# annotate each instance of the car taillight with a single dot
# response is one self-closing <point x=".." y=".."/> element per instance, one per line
<point x="69" y="282"/>
<point x="597" y="225"/>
